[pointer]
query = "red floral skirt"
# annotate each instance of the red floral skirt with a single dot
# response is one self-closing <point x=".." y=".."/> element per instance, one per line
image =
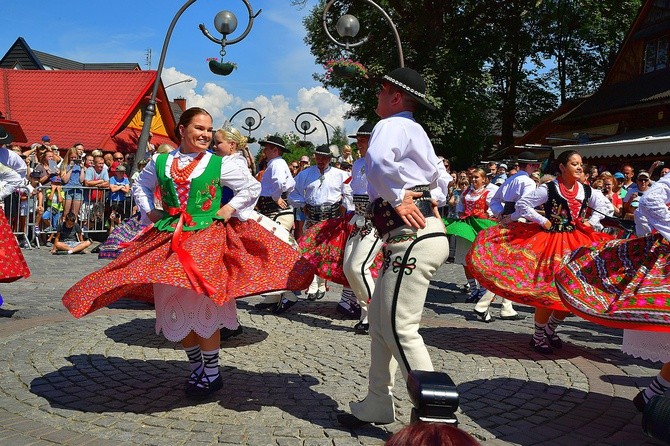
<point x="518" y="261"/>
<point x="621" y="283"/>
<point x="323" y="246"/>
<point x="237" y="259"/>
<point x="13" y="265"/>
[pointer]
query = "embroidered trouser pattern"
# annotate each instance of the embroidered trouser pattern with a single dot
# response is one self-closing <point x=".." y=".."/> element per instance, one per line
<point x="411" y="258"/>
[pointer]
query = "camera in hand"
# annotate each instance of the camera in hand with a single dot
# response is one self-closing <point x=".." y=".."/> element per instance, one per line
<point x="76" y="160"/>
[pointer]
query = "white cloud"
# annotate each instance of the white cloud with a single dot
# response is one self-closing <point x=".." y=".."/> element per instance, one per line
<point x="276" y="110"/>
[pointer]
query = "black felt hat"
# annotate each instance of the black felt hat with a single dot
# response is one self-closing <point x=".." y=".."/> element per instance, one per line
<point x="5" y="136"/>
<point x="364" y="130"/>
<point x="410" y="82"/>
<point x="527" y="157"/>
<point x="276" y="141"/>
<point x="323" y="150"/>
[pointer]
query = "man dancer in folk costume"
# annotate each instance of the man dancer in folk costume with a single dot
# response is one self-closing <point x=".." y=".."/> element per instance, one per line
<point x="322" y="191"/>
<point x="277" y="182"/>
<point x="402" y="168"/>
<point x="363" y="243"/>
<point x="503" y="207"/>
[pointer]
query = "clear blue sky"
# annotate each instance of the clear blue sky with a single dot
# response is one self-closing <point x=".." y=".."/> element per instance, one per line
<point x="274" y="71"/>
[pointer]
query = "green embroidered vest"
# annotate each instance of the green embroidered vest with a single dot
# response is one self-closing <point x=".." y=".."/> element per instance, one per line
<point x="204" y="196"/>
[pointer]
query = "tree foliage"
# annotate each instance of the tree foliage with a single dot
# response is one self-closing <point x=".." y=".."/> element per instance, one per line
<point x="492" y="67"/>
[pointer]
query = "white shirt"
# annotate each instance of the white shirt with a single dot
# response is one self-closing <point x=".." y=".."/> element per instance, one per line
<point x="359" y="180"/>
<point x="14" y="161"/>
<point x="277" y="179"/>
<point x="654" y="206"/>
<point x="245" y="187"/>
<point x="527" y="204"/>
<point x="401" y="156"/>
<point x="10" y="180"/>
<point x="510" y="191"/>
<point x="314" y="189"/>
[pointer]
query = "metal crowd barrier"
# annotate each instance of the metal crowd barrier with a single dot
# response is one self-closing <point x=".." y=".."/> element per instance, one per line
<point x="95" y="210"/>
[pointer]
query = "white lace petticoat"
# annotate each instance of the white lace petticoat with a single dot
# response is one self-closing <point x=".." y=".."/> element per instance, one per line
<point x="648" y="345"/>
<point x="180" y="311"/>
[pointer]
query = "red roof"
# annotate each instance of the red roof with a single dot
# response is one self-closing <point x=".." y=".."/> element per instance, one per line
<point x="91" y="107"/>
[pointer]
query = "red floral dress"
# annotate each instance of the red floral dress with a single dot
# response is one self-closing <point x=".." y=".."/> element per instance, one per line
<point x="323" y="246"/>
<point x="191" y="248"/>
<point x="519" y="261"/>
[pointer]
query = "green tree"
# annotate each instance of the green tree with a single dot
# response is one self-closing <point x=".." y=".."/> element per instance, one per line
<point x="492" y="66"/>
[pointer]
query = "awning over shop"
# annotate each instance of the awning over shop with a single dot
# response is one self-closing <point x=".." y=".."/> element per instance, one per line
<point x="657" y="144"/>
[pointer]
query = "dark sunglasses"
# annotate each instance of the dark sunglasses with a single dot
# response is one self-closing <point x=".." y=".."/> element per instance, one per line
<point x="643" y="179"/>
<point x="119" y="159"/>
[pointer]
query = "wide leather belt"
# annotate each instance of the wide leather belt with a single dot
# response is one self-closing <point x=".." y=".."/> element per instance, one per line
<point x="385" y="219"/>
<point x="361" y="204"/>
<point x="509" y="208"/>
<point x="268" y="206"/>
<point x="323" y="212"/>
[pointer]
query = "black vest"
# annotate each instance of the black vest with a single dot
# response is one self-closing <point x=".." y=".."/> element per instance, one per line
<point x="557" y="210"/>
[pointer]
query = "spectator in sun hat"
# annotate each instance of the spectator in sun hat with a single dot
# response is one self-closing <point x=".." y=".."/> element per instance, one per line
<point x="304" y="162"/>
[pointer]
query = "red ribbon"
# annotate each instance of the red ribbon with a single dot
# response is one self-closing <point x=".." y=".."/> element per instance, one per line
<point x="192" y="272"/>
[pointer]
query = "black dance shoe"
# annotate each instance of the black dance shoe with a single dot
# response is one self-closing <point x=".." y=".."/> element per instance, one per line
<point x="541" y="347"/>
<point x="362" y="328"/>
<point x="320" y="295"/>
<point x="638" y="401"/>
<point x="484" y="316"/>
<point x="312" y="296"/>
<point x="204" y="387"/>
<point x="265" y="305"/>
<point x="283" y="305"/>
<point x="554" y="340"/>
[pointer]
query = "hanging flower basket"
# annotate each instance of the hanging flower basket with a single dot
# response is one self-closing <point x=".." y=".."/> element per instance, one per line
<point x="346" y="68"/>
<point x="222" y="68"/>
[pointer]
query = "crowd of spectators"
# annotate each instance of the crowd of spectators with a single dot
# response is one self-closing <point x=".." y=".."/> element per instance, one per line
<point x="90" y="186"/>
<point x="95" y="186"/>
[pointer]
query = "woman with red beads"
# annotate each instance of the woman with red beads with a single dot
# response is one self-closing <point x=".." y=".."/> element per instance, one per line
<point x="473" y="216"/>
<point x="518" y="261"/>
<point x="199" y="256"/>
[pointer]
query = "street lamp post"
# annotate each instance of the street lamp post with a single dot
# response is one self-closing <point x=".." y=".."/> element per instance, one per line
<point x="225" y="22"/>
<point x="178" y="82"/>
<point x="348" y="26"/>
<point x="250" y="121"/>
<point x="306" y="127"/>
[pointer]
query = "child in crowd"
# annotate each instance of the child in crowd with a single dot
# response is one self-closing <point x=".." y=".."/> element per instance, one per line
<point x="69" y="237"/>
<point x="54" y="197"/>
<point x="119" y="186"/>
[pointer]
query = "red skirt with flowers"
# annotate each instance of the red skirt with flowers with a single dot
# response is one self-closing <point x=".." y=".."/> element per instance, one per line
<point x="323" y="246"/>
<point x="234" y="259"/>
<point x="13" y="265"/>
<point x="621" y="283"/>
<point x="518" y="261"/>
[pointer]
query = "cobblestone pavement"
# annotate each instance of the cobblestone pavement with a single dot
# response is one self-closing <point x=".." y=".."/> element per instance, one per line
<point x="109" y="379"/>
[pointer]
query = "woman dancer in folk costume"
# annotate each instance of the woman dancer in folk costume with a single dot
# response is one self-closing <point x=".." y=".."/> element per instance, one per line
<point x="198" y="256"/>
<point x="518" y="261"/>
<point x="473" y="216"/>
<point x="625" y="284"/>
<point x="13" y="265"/>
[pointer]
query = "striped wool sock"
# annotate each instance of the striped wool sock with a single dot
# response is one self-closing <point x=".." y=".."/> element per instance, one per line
<point x="657" y="387"/>
<point x="552" y="325"/>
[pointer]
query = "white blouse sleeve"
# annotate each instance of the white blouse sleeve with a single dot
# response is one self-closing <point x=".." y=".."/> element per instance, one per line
<point x="527" y="204"/>
<point x="654" y="206"/>
<point x="245" y="187"/>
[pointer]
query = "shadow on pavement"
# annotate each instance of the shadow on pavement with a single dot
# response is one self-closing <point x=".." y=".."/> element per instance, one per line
<point x="142" y="332"/>
<point x="101" y="384"/>
<point x="489" y="342"/>
<point x="527" y="412"/>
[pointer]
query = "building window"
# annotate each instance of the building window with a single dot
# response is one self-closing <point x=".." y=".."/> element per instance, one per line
<point x="656" y="55"/>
